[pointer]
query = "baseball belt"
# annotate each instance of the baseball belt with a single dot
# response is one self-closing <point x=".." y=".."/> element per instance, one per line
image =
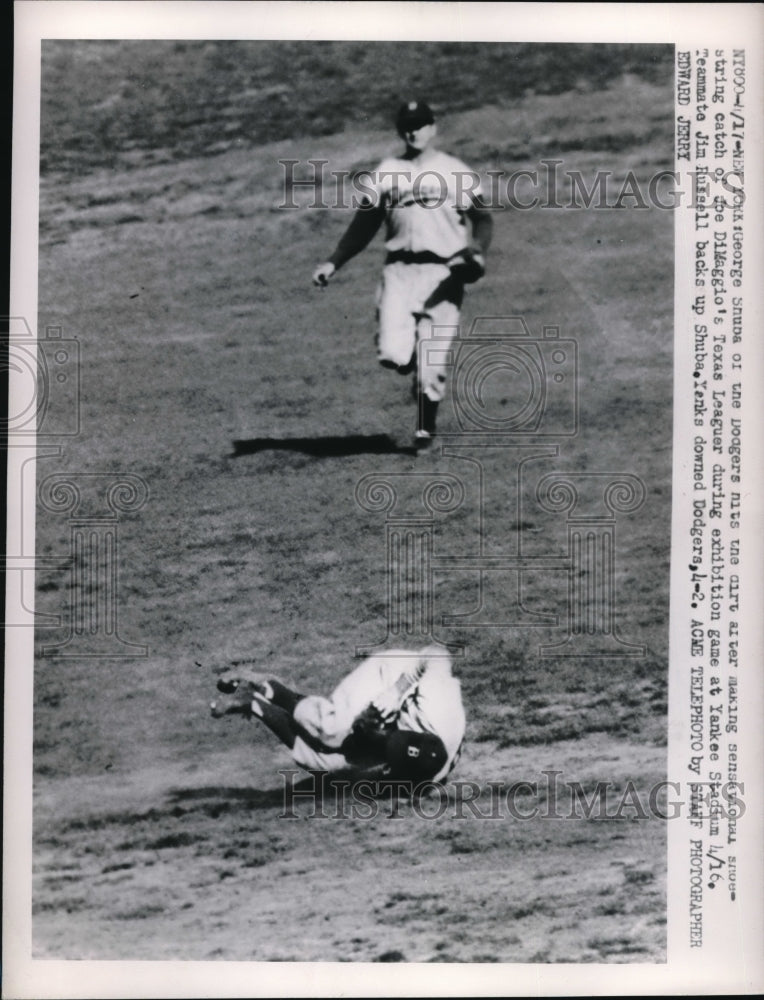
<point x="410" y="257"/>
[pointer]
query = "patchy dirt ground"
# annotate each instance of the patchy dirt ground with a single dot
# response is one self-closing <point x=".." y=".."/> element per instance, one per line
<point x="212" y="861"/>
<point x="159" y="833"/>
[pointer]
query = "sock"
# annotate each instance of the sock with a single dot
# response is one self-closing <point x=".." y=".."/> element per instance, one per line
<point x="283" y="696"/>
<point x="428" y="412"/>
<point x="278" y="720"/>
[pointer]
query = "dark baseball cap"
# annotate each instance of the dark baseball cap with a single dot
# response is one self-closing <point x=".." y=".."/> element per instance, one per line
<point x="413" y="115"/>
<point x="416" y="756"/>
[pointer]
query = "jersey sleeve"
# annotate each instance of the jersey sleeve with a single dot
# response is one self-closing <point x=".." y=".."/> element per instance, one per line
<point x="371" y="187"/>
<point x="361" y="231"/>
<point x="468" y="183"/>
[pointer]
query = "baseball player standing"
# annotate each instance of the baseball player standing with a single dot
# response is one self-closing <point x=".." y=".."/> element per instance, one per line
<point x="399" y="712"/>
<point x="438" y="230"/>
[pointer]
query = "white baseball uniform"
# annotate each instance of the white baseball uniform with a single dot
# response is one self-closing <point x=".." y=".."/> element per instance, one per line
<point x="434" y="706"/>
<point x="426" y="201"/>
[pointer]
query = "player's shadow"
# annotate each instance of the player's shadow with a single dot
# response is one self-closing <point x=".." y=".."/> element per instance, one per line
<point x="215" y="799"/>
<point x="252" y="798"/>
<point x="330" y="446"/>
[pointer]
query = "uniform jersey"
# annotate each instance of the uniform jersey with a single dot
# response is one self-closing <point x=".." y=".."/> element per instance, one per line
<point x="425" y="202"/>
<point x="434" y="706"/>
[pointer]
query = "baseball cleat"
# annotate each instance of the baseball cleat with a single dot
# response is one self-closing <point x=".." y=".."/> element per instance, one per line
<point x="226" y="686"/>
<point x="238" y="703"/>
<point x="229" y="682"/>
<point x="242" y="693"/>
<point x="422" y="440"/>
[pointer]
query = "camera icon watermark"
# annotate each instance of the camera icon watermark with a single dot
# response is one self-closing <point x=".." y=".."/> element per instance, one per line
<point x="506" y="381"/>
<point x="515" y="401"/>
<point x="43" y="382"/>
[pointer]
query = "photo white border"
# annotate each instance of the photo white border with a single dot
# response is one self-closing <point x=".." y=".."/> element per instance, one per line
<point x="738" y="967"/>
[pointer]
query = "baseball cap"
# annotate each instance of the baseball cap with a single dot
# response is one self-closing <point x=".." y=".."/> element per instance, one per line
<point x="413" y="115"/>
<point x="417" y="756"/>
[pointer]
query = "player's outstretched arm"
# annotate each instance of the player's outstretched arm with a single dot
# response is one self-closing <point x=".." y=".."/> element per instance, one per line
<point x="361" y="231"/>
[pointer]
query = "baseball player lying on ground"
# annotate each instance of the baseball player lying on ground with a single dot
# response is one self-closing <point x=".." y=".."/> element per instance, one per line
<point x="398" y="714"/>
<point x="427" y="199"/>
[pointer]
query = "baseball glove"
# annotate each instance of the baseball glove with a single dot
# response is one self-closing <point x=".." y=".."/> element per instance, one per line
<point x="366" y="742"/>
<point x="468" y="266"/>
<point x="369" y="722"/>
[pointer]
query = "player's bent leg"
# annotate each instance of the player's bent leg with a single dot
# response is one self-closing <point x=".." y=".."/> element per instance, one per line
<point x="278" y="720"/>
<point x="396" y="335"/>
<point x="318" y="718"/>
<point x="306" y="750"/>
<point x="427" y="416"/>
<point x="313" y="759"/>
<point x="436" y="331"/>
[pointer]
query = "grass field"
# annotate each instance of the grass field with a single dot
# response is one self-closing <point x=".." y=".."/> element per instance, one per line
<point x="163" y="251"/>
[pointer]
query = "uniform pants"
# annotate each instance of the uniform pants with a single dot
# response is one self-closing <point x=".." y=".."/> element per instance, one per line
<point x="418" y="314"/>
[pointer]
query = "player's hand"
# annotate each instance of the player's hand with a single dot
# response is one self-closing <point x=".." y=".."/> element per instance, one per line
<point x="468" y="266"/>
<point x="388" y="703"/>
<point x="322" y="274"/>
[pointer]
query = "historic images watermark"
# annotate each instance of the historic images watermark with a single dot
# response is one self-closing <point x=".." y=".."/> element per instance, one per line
<point x="93" y="503"/>
<point x="549" y="185"/>
<point x="44" y="413"/>
<point x="549" y="796"/>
